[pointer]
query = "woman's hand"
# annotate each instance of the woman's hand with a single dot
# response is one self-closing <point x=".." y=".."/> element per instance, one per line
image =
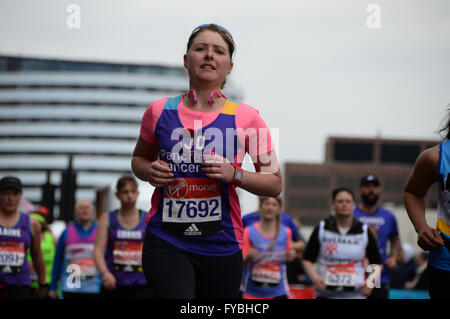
<point x="159" y="173"/>
<point x="109" y="281"/>
<point x="216" y="166"/>
<point x="252" y="254"/>
<point x="319" y="283"/>
<point x="366" y="291"/>
<point x="53" y="294"/>
<point x="429" y="238"/>
<point x="291" y="255"/>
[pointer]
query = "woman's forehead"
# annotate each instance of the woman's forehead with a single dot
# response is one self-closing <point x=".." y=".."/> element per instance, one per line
<point x="210" y="37"/>
<point x="344" y="194"/>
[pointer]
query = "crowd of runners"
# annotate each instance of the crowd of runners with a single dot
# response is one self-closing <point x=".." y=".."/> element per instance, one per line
<point x="193" y="241"/>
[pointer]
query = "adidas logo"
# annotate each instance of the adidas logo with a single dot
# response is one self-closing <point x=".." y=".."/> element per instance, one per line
<point x="192" y="231"/>
<point x="7" y="270"/>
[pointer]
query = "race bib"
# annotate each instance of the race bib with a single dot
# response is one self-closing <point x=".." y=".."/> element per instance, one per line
<point x="266" y="272"/>
<point x="87" y="267"/>
<point x="83" y="256"/>
<point x="127" y="256"/>
<point x="192" y="206"/>
<point x="12" y="256"/>
<point x="341" y="275"/>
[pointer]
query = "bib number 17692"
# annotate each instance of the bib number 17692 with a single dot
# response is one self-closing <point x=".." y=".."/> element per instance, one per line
<point x="192" y="210"/>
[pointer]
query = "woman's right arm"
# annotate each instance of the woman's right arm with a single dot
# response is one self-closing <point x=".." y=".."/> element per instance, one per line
<point x="423" y="176"/>
<point x="101" y="241"/>
<point x="309" y="258"/>
<point x="146" y="165"/>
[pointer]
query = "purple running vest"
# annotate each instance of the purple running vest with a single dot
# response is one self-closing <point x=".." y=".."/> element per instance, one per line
<point x="124" y="251"/>
<point x="14" y="242"/>
<point x="194" y="212"/>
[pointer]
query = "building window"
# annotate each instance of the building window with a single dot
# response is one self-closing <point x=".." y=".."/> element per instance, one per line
<point x="399" y="153"/>
<point x="353" y="152"/>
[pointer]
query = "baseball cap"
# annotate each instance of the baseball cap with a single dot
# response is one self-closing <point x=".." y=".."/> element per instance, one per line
<point x="10" y="182"/>
<point x="370" y="179"/>
<point x="40" y="213"/>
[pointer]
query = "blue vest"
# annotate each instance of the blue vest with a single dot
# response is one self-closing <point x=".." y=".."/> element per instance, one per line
<point x="266" y="275"/>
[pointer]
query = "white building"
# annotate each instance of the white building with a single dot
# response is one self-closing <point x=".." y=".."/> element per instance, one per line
<point x="50" y="109"/>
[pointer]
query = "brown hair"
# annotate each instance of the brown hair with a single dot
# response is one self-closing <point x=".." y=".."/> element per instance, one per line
<point x="224" y="33"/>
<point x="262" y="199"/>
<point x="124" y="180"/>
<point x="340" y="190"/>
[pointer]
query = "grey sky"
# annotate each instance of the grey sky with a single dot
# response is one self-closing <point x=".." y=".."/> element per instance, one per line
<point x="312" y="68"/>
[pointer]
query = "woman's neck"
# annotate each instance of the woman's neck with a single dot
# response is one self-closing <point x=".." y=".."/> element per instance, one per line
<point x="86" y="224"/>
<point x="344" y="221"/>
<point x="203" y="96"/>
<point x="268" y="226"/>
<point x="127" y="211"/>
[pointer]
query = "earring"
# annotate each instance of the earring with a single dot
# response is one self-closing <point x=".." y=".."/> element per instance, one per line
<point x="193" y="96"/>
<point x="219" y="94"/>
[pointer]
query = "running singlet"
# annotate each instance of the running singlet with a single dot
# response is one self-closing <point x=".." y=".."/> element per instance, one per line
<point x="83" y="276"/>
<point x="440" y="258"/>
<point x="195" y="213"/>
<point x="341" y="259"/>
<point x="266" y="275"/>
<point x="14" y="242"/>
<point x="124" y="251"/>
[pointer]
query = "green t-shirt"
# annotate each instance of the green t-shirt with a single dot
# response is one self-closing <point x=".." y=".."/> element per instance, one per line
<point x="48" y="254"/>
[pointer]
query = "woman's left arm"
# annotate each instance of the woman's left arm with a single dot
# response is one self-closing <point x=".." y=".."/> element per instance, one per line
<point x="265" y="181"/>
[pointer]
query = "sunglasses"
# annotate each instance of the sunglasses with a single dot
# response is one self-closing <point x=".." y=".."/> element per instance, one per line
<point x="207" y="25"/>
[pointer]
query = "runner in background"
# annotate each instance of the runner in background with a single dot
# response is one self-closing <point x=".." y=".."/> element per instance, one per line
<point x="339" y="246"/>
<point x="298" y="242"/>
<point x="383" y="224"/>
<point x="48" y="247"/>
<point x="121" y="234"/>
<point x="295" y="271"/>
<point x="74" y="267"/>
<point x="191" y="148"/>
<point x="267" y="246"/>
<point x="432" y="165"/>
<point x="18" y="233"/>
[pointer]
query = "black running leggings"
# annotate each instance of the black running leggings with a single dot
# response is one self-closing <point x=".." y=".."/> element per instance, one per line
<point x="439" y="287"/>
<point x="173" y="273"/>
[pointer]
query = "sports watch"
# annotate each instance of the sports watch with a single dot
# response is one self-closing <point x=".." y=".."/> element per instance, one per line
<point x="238" y="175"/>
